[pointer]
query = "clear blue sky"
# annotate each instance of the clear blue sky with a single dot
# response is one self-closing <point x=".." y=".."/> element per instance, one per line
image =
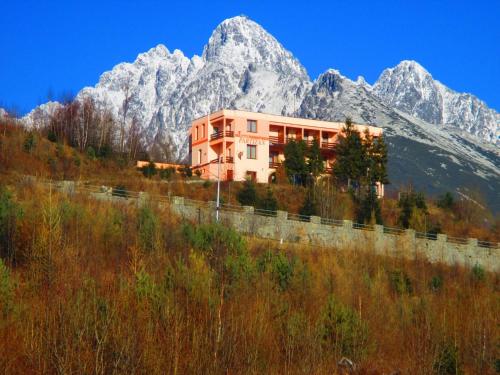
<point x="62" y="46"/>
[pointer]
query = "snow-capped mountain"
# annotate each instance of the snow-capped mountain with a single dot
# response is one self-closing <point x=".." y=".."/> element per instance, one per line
<point x="411" y="89"/>
<point x="244" y="67"/>
<point x="431" y="158"/>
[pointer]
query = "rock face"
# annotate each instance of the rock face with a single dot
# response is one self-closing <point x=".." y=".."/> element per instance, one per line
<point x="242" y="66"/>
<point x="431" y="158"/>
<point x="428" y="126"/>
<point x="411" y="89"/>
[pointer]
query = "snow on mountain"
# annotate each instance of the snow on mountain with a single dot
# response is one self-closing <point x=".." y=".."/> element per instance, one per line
<point x="244" y="67"/>
<point x="411" y="89"/>
<point x="431" y="158"/>
<point x="3" y="113"/>
<point x="40" y="116"/>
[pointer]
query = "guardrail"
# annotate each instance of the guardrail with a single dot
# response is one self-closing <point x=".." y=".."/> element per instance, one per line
<point x="221" y="134"/>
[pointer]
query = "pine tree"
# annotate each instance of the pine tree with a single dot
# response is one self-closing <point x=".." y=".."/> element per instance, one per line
<point x="247" y="196"/>
<point x="350" y="165"/>
<point x="315" y="159"/>
<point x="269" y="202"/>
<point x="295" y="163"/>
<point x="310" y="205"/>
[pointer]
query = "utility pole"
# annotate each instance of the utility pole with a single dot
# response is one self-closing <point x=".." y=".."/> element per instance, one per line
<point x="218" y="190"/>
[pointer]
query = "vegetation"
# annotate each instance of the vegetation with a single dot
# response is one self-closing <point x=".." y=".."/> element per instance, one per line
<point x="99" y="287"/>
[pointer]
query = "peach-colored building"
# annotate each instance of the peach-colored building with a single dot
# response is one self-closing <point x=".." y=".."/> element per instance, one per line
<point x="252" y="144"/>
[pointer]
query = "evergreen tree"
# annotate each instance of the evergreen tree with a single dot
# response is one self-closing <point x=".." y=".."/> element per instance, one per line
<point x="315" y="159"/>
<point x="295" y="163"/>
<point x="269" y="202"/>
<point x="149" y="170"/>
<point x="369" y="210"/>
<point x="350" y="165"/>
<point x="310" y="205"/>
<point x="247" y="196"/>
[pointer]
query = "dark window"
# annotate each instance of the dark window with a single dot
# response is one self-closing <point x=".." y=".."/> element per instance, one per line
<point x="251" y="152"/>
<point x="252" y="126"/>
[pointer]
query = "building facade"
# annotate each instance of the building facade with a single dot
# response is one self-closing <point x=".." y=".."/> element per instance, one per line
<point x="251" y="144"/>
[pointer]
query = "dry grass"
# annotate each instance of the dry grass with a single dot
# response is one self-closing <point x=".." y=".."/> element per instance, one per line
<point x="102" y="288"/>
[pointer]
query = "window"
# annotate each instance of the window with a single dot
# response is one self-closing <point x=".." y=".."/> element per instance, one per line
<point x="199" y="156"/>
<point x="203" y="131"/>
<point x="251" y="152"/>
<point x="252" y="126"/>
<point x="197" y="135"/>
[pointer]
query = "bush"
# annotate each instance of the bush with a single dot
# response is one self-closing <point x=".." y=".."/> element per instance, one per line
<point x="342" y="331"/>
<point x="147" y="228"/>
<point x="29" y="142"/>
<point x="447" y="362"/>
<point x="166" y="174"/>
<point x="478" y="273"/>
<point x="10" y="212"/>
<point x="446" y="201"/>
<point x="6" y="290"/>
<point x="436" y="283"/>
<point x="400" y="282"/>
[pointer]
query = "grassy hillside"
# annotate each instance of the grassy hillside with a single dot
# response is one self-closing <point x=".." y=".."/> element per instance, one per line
<point x="91" y="287"/>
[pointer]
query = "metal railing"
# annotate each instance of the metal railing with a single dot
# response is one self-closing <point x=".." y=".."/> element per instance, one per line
<point x="273" y="164"/>
<point x="125" y="193"/>
<point x="221" y="134"/>
<point x="298" y="217"/>
<point x="332" y="222"/>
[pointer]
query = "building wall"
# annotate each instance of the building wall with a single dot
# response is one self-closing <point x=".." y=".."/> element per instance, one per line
<point x="236" y="146"/>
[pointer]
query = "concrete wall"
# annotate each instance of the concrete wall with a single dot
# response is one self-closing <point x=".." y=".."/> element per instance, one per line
<point x="340" y="236"/>
<point x="344" y="236"/>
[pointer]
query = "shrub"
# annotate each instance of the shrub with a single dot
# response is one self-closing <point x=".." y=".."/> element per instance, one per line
<point x="436" y="283"/>
<point x="166" y="174"/>
<point x="446" y="201"/>
<point x="400" y="282"/>
<point x="6" y="290"/>
<point x="9" y="214"/>
<point x="342" y="331"/>
<point x="478" y="273"/>
<point x="207" y="184"/>
<point x="447" y="362"/>
<point x="147" y="227"/>
<point x="29" y="142"/>
<point x="91" y="153"/>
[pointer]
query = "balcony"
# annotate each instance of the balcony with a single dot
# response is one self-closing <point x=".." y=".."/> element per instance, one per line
<point x="227" y="160"/>
<point x="274" y="164"/>
<point x="222" y="134"/>
<point x="328" y="145"/>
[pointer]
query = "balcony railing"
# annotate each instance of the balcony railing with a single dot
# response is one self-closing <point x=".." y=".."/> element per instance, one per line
<point x="218" y="135"/>
<point x="327" y="145"/>
<point x="274" y="164"/>
<point x="227" y="159"/>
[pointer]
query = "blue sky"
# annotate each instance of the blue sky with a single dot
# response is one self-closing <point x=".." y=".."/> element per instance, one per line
<point x="55" y="47"/>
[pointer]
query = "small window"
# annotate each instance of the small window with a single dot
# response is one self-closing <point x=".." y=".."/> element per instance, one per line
<point x="203" y="131"/>
<point x="251" y="152"/>
<point x="252" y="126"/>
<point x="197" y="134"/>
<point x="199" y="156"/>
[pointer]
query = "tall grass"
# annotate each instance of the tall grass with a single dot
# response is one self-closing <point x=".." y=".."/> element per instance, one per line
<point x="111" y="288"/>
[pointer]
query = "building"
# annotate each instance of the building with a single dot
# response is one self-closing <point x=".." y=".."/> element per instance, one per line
<point x="251" y="144"/>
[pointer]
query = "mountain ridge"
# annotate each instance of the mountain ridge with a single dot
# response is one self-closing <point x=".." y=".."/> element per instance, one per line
<point x="244" y="67"/>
